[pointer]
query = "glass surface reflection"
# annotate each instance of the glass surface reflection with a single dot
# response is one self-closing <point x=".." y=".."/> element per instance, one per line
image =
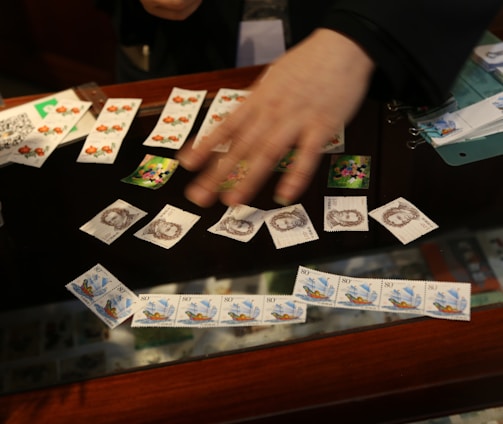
<point x="64" y="342"/>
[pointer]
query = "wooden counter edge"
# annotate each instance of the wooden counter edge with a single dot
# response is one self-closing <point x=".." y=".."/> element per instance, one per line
<point x="155" y="92"/>
<point x="395" y="372"/>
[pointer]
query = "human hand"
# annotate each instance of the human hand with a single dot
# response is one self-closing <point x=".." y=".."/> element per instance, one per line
<point x="299" y="102"/>
<point x="174" y="10"/>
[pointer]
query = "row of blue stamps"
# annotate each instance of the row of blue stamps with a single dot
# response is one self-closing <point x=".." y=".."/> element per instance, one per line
<point x="447" y="300"/>
<point x="114" y="303"/>
<point x="182" y="310"/>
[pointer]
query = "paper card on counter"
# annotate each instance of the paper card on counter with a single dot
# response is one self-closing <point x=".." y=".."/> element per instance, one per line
<point x="289" y="226"/>
<point x="403" y="220"/>
<point x="17" y="122"/>
<point x="168" y="227"/>
<point x="176" y="119"/>
<point x="105" y="138"/>
<point x="239" y="222"/>
<point x="113" y="221"/>
<point x="39" y="144"/>
<point x="345" y="213"/>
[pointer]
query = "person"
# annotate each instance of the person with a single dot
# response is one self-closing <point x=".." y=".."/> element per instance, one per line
<point x="172" y="37"/>
<point x="341" y="52"/>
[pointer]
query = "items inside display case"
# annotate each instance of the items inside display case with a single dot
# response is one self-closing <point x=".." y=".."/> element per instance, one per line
<point x="62" y="342"/>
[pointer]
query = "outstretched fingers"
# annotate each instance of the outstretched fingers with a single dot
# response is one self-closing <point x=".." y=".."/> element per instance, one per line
<point x="307" y="157"/>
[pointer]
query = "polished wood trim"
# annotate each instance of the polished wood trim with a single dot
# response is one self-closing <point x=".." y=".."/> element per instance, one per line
<point x="391" y="373"/>
<point x="154" y="93"/>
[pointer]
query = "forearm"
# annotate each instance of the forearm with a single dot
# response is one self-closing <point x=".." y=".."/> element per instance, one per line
<point x="418" y="48"/>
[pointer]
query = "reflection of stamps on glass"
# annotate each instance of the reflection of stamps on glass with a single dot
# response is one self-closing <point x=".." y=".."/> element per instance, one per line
<point x="239" y="222"/>
<point x="168" y="227"/>
<point x="34" y="375"/>
<point x="83" y="365"/>
<point x="346" y="213"/>
<point x="403" y="220"/>
<point x="290" y="226"/>
<point x="113" y="221"/>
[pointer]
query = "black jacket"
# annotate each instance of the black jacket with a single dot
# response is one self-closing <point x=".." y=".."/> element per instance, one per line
<point x="419" y="47"/>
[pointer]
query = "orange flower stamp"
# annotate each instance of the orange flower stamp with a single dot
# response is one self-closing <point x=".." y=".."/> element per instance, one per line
<point x="176" y="119"/>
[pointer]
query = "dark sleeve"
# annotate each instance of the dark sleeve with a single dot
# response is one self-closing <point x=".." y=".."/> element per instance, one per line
<point x="418" y="47"/>
<point x="132" y="23"/>
<point x="205" y="41"/>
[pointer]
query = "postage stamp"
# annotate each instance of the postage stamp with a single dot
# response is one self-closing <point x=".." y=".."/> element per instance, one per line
<point x="345" y="213"/>
<point x="239" y="222"/>
<point x="113" y="221"/>
<point x="168" y="227"/>
<point x="404" y="220"/>
<point x="103" y="294"/>
<point x="289" y="226"/>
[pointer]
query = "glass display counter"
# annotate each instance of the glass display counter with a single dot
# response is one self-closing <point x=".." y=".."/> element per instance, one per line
<point x="59" y="362"/>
